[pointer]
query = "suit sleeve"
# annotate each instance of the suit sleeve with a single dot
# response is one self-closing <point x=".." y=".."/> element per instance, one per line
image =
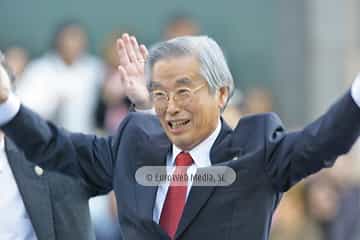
<point x="86" y="156"/>
<point x="290" y="157"/>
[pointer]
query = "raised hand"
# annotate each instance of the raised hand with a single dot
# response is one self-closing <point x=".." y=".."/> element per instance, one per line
<point x="5" y="83"/>
<point x="132" y="58"/>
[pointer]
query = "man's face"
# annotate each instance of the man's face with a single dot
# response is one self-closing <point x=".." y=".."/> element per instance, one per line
<point x="186" y="125"/>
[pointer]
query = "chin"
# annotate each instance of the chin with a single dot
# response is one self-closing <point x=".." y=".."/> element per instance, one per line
<point x="184" y="144"/>
<point x="180" y="143"/>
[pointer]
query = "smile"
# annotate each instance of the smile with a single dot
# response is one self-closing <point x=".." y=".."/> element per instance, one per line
<point x="178" y="124"/>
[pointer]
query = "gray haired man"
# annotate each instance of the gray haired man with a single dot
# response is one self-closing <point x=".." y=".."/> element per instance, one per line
<point x="189" y="85"/>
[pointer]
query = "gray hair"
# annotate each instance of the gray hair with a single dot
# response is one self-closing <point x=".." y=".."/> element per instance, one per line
<point x="213" y="66"/>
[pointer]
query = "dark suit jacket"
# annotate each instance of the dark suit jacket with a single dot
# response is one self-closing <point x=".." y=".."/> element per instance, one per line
<point x="56" y="204"/>
<point x="267" y="159"/>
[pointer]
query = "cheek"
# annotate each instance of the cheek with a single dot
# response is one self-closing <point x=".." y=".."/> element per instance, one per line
<point x="205" y="116"/>
<point x="162" y="121"/>
<point x="159" y="114"/>
<point x="161" y="117"/>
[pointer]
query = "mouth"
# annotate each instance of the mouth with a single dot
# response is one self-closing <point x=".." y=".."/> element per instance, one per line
<point x="176" y="126"/>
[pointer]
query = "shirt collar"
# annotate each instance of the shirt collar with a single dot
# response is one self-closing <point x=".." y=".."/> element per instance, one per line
<point x="200" y="153"/>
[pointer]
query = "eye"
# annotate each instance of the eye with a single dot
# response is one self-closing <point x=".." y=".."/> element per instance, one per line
<point x="158" y="94"/>
<point x="183" y="92"/>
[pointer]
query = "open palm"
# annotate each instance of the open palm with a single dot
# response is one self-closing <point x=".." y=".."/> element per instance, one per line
<point x="132" y="58"/>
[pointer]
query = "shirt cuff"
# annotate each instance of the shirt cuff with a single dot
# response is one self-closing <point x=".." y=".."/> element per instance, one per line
<point x="147" y="111"/>
<point x="9" y="109"/>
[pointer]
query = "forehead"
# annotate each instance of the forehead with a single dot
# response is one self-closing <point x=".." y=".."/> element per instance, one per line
<point x="181" y="70"/>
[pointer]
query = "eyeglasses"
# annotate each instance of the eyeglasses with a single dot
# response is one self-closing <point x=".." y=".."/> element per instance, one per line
<point x="181" y="96"/>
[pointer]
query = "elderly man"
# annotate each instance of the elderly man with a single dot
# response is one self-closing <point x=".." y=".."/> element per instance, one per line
<point x="190" y="84"/>
<point x="37" y="203"/>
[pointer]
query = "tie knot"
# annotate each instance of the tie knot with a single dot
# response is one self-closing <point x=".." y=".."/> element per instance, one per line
<point x="183" y="159"/>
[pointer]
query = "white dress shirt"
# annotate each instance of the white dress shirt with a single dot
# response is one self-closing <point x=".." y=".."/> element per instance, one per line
<point x="14" y="220"/>
<point x="201" y="157"/>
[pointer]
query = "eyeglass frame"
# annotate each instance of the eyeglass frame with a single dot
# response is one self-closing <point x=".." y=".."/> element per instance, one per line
<point x="192" y="92"/>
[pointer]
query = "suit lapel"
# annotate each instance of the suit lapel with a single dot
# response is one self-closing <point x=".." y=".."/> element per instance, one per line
<point x="154" y="155"/>
<point x="221" y="151"/>
<point x="34" y="191"/>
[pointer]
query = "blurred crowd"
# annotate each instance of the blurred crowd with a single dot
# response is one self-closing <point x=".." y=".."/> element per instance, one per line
<point x="82" y="92"/>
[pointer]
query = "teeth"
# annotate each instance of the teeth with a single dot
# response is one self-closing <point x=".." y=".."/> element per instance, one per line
<point x="176" y="124"/>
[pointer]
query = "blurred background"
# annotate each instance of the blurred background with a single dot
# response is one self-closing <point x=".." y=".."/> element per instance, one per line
<point x="294" y="57"/>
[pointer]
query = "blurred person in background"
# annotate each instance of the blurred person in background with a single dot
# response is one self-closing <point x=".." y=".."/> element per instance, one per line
<point x="233" y="111"/>
<point x="112" y="104"/>
<point x="333" y="202"/>
<point x="63" y="83"/>
<point x="321" y="204"/>
<point x="111" y="108"/>
<point x="39" y="204"/>
<point x="258" y="100"/>
<point x="180" y="25"/>
<point x="290" y="221"/>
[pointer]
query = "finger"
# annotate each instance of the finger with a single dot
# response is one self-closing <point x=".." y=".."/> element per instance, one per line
<point x="126" y="81"/>
<point x="136" y="47"/>
<point x="129" y="48"/>
<point x="139" y="57"/>
<point x="121" y="50"/>
<point x="123" y="73"/>
<point x="123" y="76"/>
<point x="144" y="52"/>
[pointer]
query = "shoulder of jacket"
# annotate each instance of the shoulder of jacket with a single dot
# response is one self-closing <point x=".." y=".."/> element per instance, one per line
<point x="259" y="118"/>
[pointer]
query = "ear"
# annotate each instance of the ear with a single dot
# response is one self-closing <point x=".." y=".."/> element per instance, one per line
<point x="223" y="96"/>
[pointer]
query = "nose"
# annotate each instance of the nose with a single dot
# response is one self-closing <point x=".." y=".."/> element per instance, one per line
<point x="172" y="107"/>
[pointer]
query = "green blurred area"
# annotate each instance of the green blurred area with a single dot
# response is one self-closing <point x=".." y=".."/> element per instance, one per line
<point x="252" y="33"/>
<point x="243" y="28"/>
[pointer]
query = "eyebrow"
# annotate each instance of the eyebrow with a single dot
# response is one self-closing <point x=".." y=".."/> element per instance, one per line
<point x="184" y="81"/>
<point x="181" y="81"/>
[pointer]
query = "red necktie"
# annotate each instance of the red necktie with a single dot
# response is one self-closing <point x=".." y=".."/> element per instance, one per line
<point x="176" y="196"/>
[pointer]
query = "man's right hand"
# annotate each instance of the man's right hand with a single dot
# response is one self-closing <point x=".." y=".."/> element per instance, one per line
<point x="132" y="58"/>
<point x="5" y="82"/>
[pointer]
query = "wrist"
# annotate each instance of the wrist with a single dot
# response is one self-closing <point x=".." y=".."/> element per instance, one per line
<point x="143" y="105"/>
<point x="142" y="102"/>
